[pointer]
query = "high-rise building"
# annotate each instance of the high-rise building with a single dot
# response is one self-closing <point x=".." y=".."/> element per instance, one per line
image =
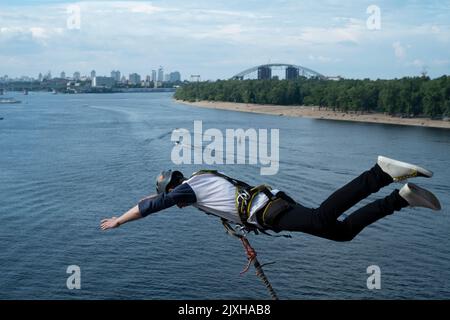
<point x="291" y="73"/>
<point x="175" y="76"/>
<point x="26" y="79"/>
<point x="264" y="73"/>
<point x="48" y="76"/>
<point x="40" y="77"/>
<point x="105" y="82"/>
<point x="135" y="79"/>
<point x="62" y="75"/>
<point x="93" y="74"/>
<point x="160" y="74"/>
<point x="76" y="76"/>
<point x="115" y="74"/>
<point x="154" y="76"/>
<point x="166" y="77"/>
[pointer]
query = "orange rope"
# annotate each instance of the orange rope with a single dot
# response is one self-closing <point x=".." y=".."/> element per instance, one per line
<point x="251" y="255"/>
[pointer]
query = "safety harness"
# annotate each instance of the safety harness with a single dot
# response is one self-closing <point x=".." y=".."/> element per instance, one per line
<point x="246" y="194"/>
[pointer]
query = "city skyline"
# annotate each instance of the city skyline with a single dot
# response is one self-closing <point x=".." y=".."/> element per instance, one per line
<point x="218" y="39"/>
<point x="117" y="75"/>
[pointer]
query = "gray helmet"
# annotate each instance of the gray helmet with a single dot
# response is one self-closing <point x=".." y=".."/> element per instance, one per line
<point x="168" y="179"/>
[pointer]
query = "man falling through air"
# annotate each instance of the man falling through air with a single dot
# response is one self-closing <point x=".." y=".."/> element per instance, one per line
<point x="262" y="208"/>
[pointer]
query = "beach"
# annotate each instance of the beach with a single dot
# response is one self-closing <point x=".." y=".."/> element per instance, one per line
<point x="322" y="113"/>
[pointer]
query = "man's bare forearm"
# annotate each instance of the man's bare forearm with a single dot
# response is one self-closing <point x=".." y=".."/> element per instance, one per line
<point x="133" y="213"/>
<point x="130" y="215"/>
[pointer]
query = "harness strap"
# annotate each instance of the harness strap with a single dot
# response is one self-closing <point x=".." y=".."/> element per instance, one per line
<point x="245" y="199"/>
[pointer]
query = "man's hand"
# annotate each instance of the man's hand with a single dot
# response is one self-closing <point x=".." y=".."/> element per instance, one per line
<point x="109" y="223"/>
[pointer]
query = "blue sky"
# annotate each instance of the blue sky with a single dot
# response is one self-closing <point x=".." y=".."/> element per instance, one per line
<point x="218" y="39"/>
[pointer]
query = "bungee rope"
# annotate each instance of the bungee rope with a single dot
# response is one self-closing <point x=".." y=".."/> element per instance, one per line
<point x="251" y="255"/>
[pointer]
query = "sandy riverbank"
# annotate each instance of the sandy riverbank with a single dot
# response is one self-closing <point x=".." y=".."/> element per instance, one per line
<point x="315" y="113"/>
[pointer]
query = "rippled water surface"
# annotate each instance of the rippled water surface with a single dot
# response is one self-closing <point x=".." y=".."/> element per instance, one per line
<point x="66" y="161"/>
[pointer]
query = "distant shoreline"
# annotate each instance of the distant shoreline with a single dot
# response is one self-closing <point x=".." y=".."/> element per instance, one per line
<point x="98" y="90"/>
<point x="315" y="113"/>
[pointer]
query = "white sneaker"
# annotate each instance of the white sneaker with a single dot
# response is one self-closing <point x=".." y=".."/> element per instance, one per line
<point x="401" y="170"/>
<point x="419" y="197"/>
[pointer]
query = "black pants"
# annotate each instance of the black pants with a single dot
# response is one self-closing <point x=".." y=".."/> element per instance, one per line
<point x="322" y="221"/>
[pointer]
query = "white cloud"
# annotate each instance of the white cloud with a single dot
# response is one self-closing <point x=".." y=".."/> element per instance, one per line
<point x="229" y="13"/>
<point x="226" y="32"/>
<point x="36" y="33"/>
<point x="418" y="63"/>
<point x="5" y="31"/>
<point x="441" y="62"/>
<point x="322" y="59"/>
<point x="134" y="6"/>
<point x="39" y="33"/>
<point x="145" y="8"/>
<point x="347" y="20"/>
<point x="435" y="29"/>
<point x="350" y="33"/>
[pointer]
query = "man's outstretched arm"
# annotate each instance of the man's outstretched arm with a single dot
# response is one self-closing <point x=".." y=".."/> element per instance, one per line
<point x="181" y="195"/>
<point x="130" y="215"/>
<point x="134" y="213"/>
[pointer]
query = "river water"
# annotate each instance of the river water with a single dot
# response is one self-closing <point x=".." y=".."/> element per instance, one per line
<point x="67" y="161"/>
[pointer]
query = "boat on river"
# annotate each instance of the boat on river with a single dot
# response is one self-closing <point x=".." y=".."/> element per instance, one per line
<point x="9" y="101"/>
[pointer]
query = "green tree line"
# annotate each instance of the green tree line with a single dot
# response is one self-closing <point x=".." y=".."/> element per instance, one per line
<point x="415" y="96"/>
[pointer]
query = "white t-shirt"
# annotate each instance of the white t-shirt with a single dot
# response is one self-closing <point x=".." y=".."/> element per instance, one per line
<point x="217" y="196"/>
